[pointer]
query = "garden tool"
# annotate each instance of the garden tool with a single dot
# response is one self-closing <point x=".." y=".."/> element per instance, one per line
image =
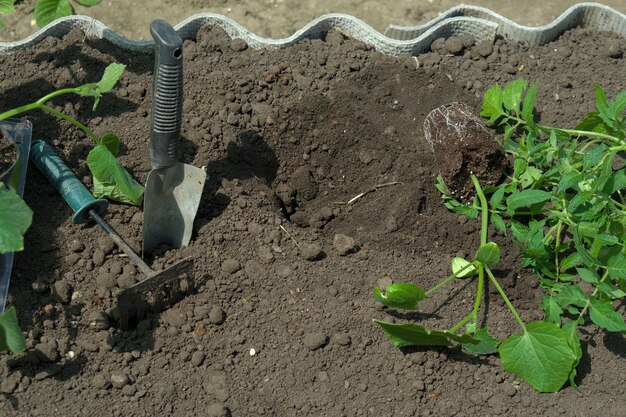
<point x="173" y="189"/>
<point x="159" y="288"/>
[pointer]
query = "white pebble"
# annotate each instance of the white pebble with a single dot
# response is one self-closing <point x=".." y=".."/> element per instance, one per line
<point x="252" y="352"/>
<point x="70" y="355"/>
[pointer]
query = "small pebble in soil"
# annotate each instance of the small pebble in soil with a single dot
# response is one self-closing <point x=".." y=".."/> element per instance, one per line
<point x="197" y="358"/>
<point x="311" y="251"/>
<point x="106" y="245"/>
<point x="217" y="410"/>
<point x="315" y="340"/>
<point x="508" y="389"/>
<point x="119" y="380"/>
<point x="344" y="245"/>
<point x="342" y="339"/>
<point x="77" y="246"/>
<point x="39" y="286"/>
<point x="62" y="291"/>
<point x="217" y="315"/>
<point x="231" y="266"/>
<point x="252" y="352"/>
<point x="99" y="320"/>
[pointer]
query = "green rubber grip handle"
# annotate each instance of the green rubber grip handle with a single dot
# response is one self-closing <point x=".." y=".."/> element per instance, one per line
<point x="76" y="195"/>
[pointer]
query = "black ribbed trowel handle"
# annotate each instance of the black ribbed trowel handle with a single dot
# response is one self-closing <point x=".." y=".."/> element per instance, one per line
<point x="167" y="95"/>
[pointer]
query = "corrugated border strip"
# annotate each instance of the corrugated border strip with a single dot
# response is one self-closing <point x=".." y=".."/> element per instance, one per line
<point x="478" y="22"/>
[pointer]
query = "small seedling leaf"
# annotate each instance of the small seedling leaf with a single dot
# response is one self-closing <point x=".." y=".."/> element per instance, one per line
<point x="587" y="275"/>
<point x="487" y="345"/>
<point x="112" y="142"/>
<point x="526" y="198"/>
<point x="571" y="294"/>
<point x="15" y="218"/>
<point x="492" y="104"/>
<point x="574" y="343"/>
<point x="111" y="76"/>
<point x="528" y="106"/>
<point x="111" y="180"/>
<point x="617" y="266"/>
<point x="88" y="3"/>
<point x="47" y="11"/>
<point x="7" y="6"/>
<point x="617" y="106"/>
<point x="512" y="95"/>
<point x="411" y="334"/>
<point x="488" y="254"/>
<point x="465" y="267"/>
<point x="401" y="295"/>
<point x="592" y="122"/>
<point x="551" y="310"/>
<point x="604" y="316"/>
<point x="11" y="337"/>
<point x="540" y="356"/>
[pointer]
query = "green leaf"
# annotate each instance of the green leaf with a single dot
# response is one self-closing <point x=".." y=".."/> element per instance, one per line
<point x="15" y="219"/>
<point x="498" y="222"/>
<point x="529" y="104"/>
<point x="617" y="106"/>
<point x="47" y="11"/>
<point x="512" y="95"/>
<point x="112" y="74"/>
<point x="411" y="334"/>
<point x="11" y="337"/>
<point x="571" y="294"/>
<point x="617" y="266"/>
<point x="604" y="316"/>
<point x="111" y="180"/>
<point x="112" y="142"/>
<point x="592" y="122"/>
<point x="496" y="199"/>
<point x="594" y="156"/>
<point x="587" y="275"/>
<point x="7" y="6"/>
<point x="487" y="345"/>
<point x="488" y="254"/>
<point x="611" y="291"/>
<point x="401" y="295"/>
<point x="552" y="310"/>
<point x="88" y="3"/>
<point x="526" y="198"/>
<point x="571" y="261"/>
<point x="457" y="264"/>
<point x="574" y="343"/>
<point x="492" y="104"/>
<point x="540" y="356"/>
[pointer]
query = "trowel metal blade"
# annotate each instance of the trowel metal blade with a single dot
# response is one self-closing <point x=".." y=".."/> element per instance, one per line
<point x="171" y="202"/>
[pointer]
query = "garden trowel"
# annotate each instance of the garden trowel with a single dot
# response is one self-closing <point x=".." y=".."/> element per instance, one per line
<point x="173" y="189"/>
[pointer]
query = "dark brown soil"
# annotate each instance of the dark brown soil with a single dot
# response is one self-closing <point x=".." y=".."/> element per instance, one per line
<point x="285" y="256"/>
<point x="7" y="154"/>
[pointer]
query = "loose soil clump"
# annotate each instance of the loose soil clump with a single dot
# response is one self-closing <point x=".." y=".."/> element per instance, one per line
<point x="8" y="155"/>
<point x="320" y="187"/>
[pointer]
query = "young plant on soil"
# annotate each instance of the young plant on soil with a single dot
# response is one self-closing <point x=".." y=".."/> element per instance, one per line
<point x="564" y="205"/>
<point x="110" y="179"/>
<point x="542" y="354"/>
<point x="47" y="11"/>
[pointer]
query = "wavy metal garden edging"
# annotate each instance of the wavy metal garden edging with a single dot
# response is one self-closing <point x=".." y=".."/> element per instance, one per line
<point x="480" y="23"/>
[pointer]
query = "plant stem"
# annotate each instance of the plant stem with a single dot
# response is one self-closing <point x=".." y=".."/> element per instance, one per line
<point x="484" y="210"/>
<point x="72" y="121"/>
<point x="447" y="279"/>
<point x="473" y="315"/>
<point x="40" y="104"/>
<point x="505" y="298"/>
<point x="595" y="291"/>
<point x="574" y="132"/>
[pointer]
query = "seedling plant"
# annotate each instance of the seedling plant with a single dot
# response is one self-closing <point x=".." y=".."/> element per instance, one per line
<point x="110" y="180"/>
<point x="563" y="203"/>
